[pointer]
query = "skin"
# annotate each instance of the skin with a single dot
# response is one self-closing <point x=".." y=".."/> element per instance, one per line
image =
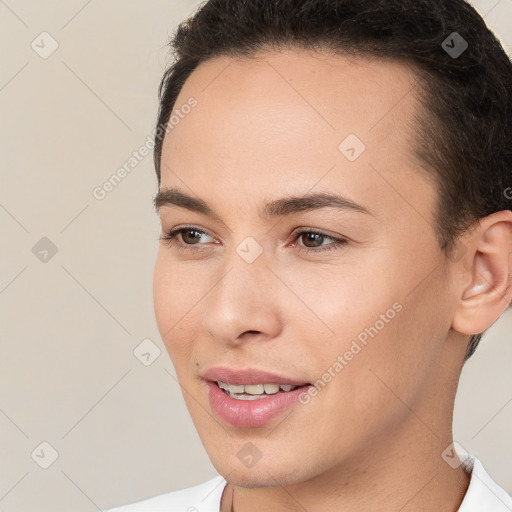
<point x="270" y="127"/>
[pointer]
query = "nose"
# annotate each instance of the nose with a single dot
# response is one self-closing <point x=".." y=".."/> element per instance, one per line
<point x="244" y="304"/>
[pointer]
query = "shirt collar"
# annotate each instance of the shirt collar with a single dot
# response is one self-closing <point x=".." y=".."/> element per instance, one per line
<point x="483" y="493"/>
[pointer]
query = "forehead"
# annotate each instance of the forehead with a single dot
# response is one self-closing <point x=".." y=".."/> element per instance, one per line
<point x="279" y="89"/>
<point x="291" y="119"/>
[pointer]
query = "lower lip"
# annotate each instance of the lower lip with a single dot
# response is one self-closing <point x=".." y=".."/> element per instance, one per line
<point x="250" y="413"/>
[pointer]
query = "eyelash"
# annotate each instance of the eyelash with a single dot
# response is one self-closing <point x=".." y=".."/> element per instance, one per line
<point x="170" y="239"/>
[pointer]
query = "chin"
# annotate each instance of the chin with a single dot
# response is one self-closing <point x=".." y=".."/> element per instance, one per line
<point x="259" y="475"/>
<point x="251" y="480"/>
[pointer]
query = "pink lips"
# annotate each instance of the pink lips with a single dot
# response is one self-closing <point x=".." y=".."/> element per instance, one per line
<point x="249" y="413"/>
<point x="249" y="376"/>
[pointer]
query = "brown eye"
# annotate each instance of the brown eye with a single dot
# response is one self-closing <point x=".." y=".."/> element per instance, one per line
<point x="313" y="241"/>
<point x="189" y="236"/>
<point x="190" y="239"/>
<point x="313" y="238"/>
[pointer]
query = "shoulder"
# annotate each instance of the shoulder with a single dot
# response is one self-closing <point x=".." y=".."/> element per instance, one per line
<point x="204" y="497"/>
<point x="484" y="494"/>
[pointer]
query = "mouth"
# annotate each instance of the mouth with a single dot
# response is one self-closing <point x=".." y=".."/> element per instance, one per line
<point x="255" y="391"/>
<point x="250" y="397"/>
<point x="252" y="405"/>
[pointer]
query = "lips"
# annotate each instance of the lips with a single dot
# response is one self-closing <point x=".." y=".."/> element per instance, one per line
<point x="248" y="398"/>
<point x="249" y="376"/>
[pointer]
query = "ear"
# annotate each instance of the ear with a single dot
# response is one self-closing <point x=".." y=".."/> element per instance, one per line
<point x="486" y="274"/>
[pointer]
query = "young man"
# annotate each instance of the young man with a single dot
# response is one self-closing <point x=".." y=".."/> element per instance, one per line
<point x="334" y="192"/>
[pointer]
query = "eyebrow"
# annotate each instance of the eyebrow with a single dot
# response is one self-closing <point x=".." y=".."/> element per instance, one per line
<point x="276" y="208"/>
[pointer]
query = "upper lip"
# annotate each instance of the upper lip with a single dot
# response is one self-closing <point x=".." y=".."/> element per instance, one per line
<point x="248" y="376"/>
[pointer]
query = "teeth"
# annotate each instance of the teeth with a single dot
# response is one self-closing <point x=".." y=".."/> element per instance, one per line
<point x="233" y="388"/>
<point x="254" y="390"/>
<point x="271" y="389"/>
<point x="246" y="397"/>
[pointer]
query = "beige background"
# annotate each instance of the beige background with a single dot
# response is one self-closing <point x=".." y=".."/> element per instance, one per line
<point x="69" y="325"/>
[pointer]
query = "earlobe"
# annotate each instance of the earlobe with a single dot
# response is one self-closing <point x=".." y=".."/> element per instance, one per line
<point x="487" y="273"/>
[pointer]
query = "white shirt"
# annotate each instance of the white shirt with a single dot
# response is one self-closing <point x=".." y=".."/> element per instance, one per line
<point x="483" y="495"/>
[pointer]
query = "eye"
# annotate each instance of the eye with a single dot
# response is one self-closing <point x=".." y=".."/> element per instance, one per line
<point x="191" y="234"/>
<point x="314" y="236"/>
<point x="187" y="234"/>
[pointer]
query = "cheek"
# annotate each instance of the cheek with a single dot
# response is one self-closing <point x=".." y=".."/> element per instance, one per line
<point x="377" y="340"/>
<point x="173" y="297"/>
<point x="347" y="305"/>
<point x="175" y="290"/>
<point x="367" y="382"/>
<point x="162" y="295"/>
<point x="394" y="365"/>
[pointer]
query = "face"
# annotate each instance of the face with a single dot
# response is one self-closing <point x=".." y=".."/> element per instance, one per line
<point x="345" y="299"/>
